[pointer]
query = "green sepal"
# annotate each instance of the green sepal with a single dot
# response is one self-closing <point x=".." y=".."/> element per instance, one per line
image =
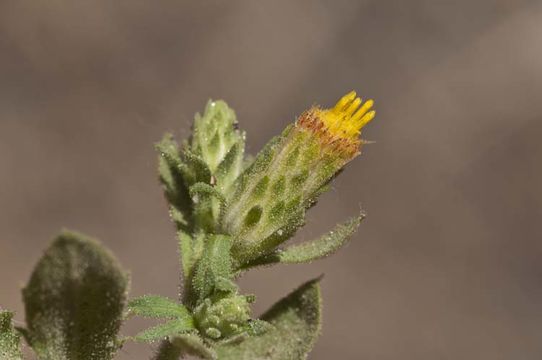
<point x="213" y="266"/>
<point x="296" y="322"/>
<point x="155" y="306"/>
<point x="312" y="250"/>
<point x="10" y="339"/>
<point x="185" y="344"/>
<point x="75" y="300"/>
<point x="170" y="328"/>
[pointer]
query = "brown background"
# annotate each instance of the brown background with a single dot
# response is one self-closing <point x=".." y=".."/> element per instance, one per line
<point x="447" y="264"/>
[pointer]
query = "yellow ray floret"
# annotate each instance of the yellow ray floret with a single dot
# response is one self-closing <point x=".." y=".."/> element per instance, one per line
<point x="338" y="128"/>
<point x="347" y="117"/>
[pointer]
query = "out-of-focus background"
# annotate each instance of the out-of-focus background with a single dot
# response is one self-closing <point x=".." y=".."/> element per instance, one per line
<point x="447" y="265"/>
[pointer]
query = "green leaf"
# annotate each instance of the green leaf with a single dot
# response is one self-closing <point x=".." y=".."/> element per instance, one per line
<point x="192" y="344"/>
<point x="312" y="250"/>
<point x="182" y="345"/>
<point x="208" y="204"/>
<point x="175" y="190"/>
<point x="74" y="300"/>
<point x="170" y="328"/>
<point x="157" y="307"/>
<point x="191" y="249"/>
<point x="200" y="189"/>
<point x="194" y="169"/>
<point x="10" y="340"/>
<point x="296" y="325"/>
<point x="214" y="264"/>
<point x="230" y="168"/>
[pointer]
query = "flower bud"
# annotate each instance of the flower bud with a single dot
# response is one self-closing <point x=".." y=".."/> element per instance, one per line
<point x="270" y="198"/>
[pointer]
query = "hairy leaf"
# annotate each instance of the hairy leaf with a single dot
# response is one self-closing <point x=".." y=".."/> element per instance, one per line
<point x="182" y="345"/>
<point x="10" y="340"/>
<point x="157" y="307"/>
<point x="74" y="300"/>
<point x="208" y="204"/>
<point x="296" y="321"/>
<point x="170" y="328"/>
<point x="312" y="250"/>
<point x="215" y="263"/>
<point x="175" y="190"/>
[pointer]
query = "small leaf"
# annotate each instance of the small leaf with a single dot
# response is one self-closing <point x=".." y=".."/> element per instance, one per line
<point x="182" y="345"/>
<point x="214" y="264"/>
<point x="74" y="300"/>
<point x="175" y="190"/>
<point x="312" y="250"/>
<point x="230" y="168"/>
<point x="208" y="204"/>
<point x="225" y="285"/>
<point x="191" y="344"/>
<point x="194" y="169"/>
<point x="296" y="325"/>
<point x="157" y="307"/>
<point x="205" y="190"/>
<point x="10" y="340"/>
<point x="170" y="328"/>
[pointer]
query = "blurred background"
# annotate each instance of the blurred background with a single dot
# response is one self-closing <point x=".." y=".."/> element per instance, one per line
<point x="447" y="264"/>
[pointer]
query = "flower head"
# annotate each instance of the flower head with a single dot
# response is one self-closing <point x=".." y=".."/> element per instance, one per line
<point x="289" y="174"/>
<point x="339" y="128"/>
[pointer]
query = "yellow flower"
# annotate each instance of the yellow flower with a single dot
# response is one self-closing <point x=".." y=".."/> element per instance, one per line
<point x="339" y="128"/>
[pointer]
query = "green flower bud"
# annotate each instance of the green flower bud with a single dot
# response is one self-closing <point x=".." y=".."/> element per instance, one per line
<point x="222" y="317"/>
<point x="218" y="141"/>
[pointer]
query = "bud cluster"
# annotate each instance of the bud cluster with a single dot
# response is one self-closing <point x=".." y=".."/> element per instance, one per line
<point x="233" y="213"/>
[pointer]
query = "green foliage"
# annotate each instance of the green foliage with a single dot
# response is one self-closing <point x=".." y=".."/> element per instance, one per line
<point x="231" y="214"/>
<point x="170" y="328"/>
<point x="214" y="265"/>
<point x="239" y="216"/>
<point x="10" y="340"/>
<point x="160" y="307"/>
<point x="157" y="307"/>
<point x="311" y="250"/>
<point x="74" y="300"/>
<point x="296" y="325"/>
<point x="182" y="345"/>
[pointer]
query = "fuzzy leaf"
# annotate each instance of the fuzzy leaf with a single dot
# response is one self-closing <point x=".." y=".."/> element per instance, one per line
<point x="170" y="328"/>
<point x="10" y="340"/>
<point x="296" y="321"/>
<point x="204" y="190"/>
<point x="194" y="169"/>
<point x="175" y="190"/>
<point x="191" y="248"/>
<point x="74" y="300"/>
<point x="185" y="344"/>
<point x="312" y="250"/>
<point x="157" y="307"/>
<point x="208" y="204"/>
<point x="215" y="264"/>
<point x="229" y="169"/>
<point x="192" y="344"/>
